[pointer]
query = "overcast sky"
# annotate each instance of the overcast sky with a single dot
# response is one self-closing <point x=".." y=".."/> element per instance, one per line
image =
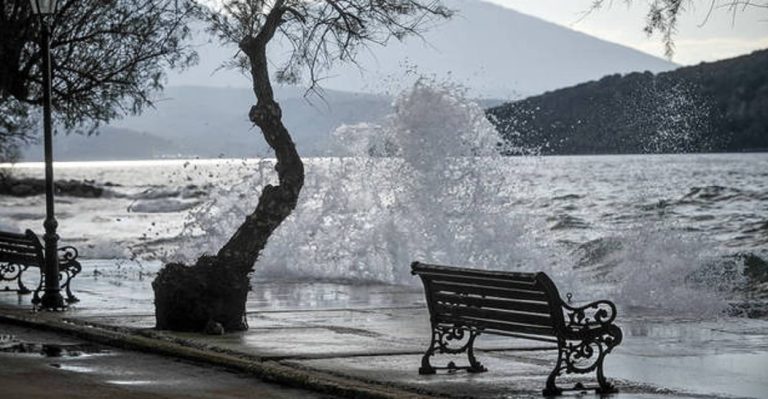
<point x="723" y="35"/>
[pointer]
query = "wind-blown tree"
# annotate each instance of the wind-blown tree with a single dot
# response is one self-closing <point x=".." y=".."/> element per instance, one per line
<point x="108" y="58"/>
<point x="663" y="16"/>
<point x="214" y="290"/>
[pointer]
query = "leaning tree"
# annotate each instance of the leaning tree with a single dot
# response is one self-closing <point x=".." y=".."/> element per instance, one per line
<point x="108" y="58"/>
<point x="319" y="33"/>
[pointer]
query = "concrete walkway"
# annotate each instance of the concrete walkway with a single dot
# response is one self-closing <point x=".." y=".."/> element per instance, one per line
<point x="41" y="364"/>
<point x="367" y="341"/>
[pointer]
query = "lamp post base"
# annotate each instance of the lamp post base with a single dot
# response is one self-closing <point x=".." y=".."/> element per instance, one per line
<point x="52" y="301"/>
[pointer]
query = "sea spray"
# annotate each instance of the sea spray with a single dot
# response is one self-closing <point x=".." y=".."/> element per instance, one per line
<point x="615" y="217"/>
<point x="428" y="183"/>
<point x="653" y="273"/>
<point x="678" y="117"/>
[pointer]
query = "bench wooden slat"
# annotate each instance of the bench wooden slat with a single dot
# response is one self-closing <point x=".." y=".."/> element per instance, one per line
<point x="18" y="247"/>
<point x="8" y="251"/>
<point x="485" y="281"/>
<point x="506" y="304"/>
<point x="26" y="251"/>
<point x="17" y="241"/>
<point x="488" y="292"/>
<point x="500" y="315"/>
<point x="419" y="268"/>
<point x="6" y="235"/>
<point x="497" y="325"/>
<point x="18" y="254"/>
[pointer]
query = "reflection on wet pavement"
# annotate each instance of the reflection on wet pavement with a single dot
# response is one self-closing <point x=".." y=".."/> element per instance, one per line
<point x="83" y="370"/>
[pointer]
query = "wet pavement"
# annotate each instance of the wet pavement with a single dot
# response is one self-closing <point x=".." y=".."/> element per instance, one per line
<point x="371" y="337"/>
<point x="39" y="364"/>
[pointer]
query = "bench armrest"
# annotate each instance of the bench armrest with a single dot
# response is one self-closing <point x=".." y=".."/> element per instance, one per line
<point x="67" y="254"/>
<point x="596" y="314"/>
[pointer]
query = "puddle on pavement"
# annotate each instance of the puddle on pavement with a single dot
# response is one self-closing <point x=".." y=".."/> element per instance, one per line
<point x="74" y="368"/>
<point x="9" y="344"/>
<point x="132" y="382"/>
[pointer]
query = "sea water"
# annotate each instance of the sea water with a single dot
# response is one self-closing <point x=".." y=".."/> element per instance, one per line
<point x="677" y="234"/>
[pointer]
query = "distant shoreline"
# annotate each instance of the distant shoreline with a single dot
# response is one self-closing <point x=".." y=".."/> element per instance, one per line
<point x="177" y="161"/>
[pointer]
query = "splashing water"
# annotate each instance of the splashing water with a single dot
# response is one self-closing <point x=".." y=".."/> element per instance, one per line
<point x="653" y="269"/>
<point x="680" y="118"/>
<point x="438" y="196"/>
<point x="428" y="184"/>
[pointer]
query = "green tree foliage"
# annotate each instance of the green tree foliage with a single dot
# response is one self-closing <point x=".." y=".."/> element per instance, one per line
<point x="720" y="106"/>
<point x="108" y="58"/>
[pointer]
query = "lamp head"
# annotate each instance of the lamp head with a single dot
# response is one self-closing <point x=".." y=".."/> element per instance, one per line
<point x="43" y="7"/>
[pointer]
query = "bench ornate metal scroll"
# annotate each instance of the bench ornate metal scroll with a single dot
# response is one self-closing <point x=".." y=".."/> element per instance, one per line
<point x="19" y="252"/>
<point x="465" y="303"/>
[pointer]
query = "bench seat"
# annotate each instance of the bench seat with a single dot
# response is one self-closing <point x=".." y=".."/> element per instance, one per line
<point x="464" y="303"/>
<point x="20" y="252"/>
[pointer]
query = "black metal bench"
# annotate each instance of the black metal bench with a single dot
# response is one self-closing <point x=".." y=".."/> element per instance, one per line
<point x="19" y="252"/>
<point x="464" y="303"/>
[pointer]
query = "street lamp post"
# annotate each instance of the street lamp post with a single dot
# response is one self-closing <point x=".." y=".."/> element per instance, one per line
<point x="52" y="299"/>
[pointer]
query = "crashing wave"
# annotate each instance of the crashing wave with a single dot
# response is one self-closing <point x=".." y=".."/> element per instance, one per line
<point x="428" y="184"/>
<point x="445" y="198"/>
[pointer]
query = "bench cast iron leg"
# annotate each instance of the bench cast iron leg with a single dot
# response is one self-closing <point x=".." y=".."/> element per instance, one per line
<point x="23" y="290"/>
<point x="426" y="367"/>
<point x="66" y="279"/>
<point x="68" y="272"/>
<point x="612" y="338"/>
<point x="605" y="386"/>
<point x="72" y="269"/>
<point x="441" y="339"/>
<point x="551" y="388"/>
<point x="474" y="365"/>
<point x="36" y="297"/>
<point x="583" y="357"/>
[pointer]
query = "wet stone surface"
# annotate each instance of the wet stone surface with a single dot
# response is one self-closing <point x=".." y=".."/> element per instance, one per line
<point x="378" y="333"/>
<point x="43" y="365"/>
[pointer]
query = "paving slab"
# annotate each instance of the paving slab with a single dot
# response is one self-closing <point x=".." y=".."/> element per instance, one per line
<point x="511" y="374"/>
<point x="509" y="378"/>
<point x="371" y="337"/>
<point x="325" y="333"/>
<point x="43" y="365"/>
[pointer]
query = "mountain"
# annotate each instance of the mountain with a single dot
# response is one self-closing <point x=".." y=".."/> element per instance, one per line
<point x="209" y="122"/>
<point x="110" y="144"/>
<point x="494" y="51"/>
<point x="718" y="106"/>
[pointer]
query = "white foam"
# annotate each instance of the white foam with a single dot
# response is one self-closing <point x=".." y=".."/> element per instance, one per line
<point x="442" y="195"/>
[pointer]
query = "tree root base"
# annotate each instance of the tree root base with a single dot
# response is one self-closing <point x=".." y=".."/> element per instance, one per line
<point x="190" y="298"/>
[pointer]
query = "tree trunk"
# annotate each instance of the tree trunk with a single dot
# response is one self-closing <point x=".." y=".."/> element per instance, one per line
<point x="215" y="289"/>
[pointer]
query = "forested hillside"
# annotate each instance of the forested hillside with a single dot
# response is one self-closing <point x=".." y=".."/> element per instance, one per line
<point x="719" y="106"/>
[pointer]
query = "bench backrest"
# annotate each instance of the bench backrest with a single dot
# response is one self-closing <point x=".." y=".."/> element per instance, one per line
<point x="21" y="249"/>
<point x="509" y="303"/>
